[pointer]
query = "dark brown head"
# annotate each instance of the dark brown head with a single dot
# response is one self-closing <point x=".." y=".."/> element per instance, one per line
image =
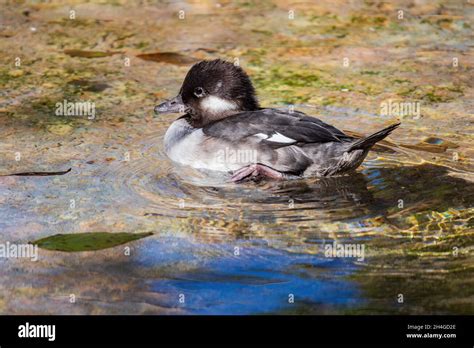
<point x="211" y="91"/>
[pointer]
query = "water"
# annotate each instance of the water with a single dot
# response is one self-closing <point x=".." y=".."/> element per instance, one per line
<point x="220" y="248"/>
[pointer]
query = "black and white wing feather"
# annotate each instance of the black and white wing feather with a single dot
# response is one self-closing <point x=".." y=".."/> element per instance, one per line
<point x="275" y="127"/>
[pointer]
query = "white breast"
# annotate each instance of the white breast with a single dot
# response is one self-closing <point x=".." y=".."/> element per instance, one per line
<point x="187" y="145"/>
<point x="178" y="130"/>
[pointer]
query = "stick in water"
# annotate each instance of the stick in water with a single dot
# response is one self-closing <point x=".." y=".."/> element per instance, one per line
<point x="37" y="173"/>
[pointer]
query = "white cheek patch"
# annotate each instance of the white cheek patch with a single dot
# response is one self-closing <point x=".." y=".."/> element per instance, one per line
<point x="276" y="137"/>
<point x="215" y="104"/>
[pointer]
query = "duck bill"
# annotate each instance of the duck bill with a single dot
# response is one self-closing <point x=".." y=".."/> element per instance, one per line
<point x="174" y="105"/>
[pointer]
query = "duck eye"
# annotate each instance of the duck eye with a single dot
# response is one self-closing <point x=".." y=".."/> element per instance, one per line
<point x="199" y="92"/>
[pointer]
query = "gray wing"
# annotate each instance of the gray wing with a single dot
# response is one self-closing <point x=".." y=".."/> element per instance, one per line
<point x="276" y="128"/>
<point x="279" y="135"/>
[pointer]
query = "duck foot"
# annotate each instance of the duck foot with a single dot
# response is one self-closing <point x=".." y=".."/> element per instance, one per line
<point x="256" y="172"/>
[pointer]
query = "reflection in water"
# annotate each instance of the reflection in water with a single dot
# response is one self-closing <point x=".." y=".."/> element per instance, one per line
<point x="246" y="279"/>
<point x="408" y="216"/>
<point x="266" y="244"/>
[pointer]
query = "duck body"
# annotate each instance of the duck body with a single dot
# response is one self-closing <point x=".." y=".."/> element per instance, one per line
<point x="291" y="143"/>
<point x="223" y="129"/>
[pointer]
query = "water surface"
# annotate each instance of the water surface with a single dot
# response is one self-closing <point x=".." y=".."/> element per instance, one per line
<point x="220" y="248"/>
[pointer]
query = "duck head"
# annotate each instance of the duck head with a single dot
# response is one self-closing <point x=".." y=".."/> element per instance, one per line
<point x="212" y="90"/>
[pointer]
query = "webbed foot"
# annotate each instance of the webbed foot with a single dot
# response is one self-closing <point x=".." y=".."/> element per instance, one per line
<point x="256" y="172"/>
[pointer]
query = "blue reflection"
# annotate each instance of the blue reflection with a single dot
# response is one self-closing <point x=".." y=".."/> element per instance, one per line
<point x="257" y="281"/>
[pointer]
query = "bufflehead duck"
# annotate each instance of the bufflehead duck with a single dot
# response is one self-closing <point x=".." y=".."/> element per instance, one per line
<point x="224" y="129"/>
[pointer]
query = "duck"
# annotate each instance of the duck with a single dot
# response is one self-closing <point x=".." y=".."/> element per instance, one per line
<point x="223" y="128"/>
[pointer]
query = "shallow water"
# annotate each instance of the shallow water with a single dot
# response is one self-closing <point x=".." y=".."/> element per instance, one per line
<point x="220" y="248"/>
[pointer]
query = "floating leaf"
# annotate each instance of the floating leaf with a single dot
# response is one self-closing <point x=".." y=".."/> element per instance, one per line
<point x="205" y="49"/>
<point x="88" y="241"/>
<point x="440" y="142"/>
<point x="89" y="54"/>
<point x="7" y="34"/>
<point x="433" y="148"/>
<point x="168" y="57"/>
<point x="89" y="86"/>
<point x="432" y="144"/>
